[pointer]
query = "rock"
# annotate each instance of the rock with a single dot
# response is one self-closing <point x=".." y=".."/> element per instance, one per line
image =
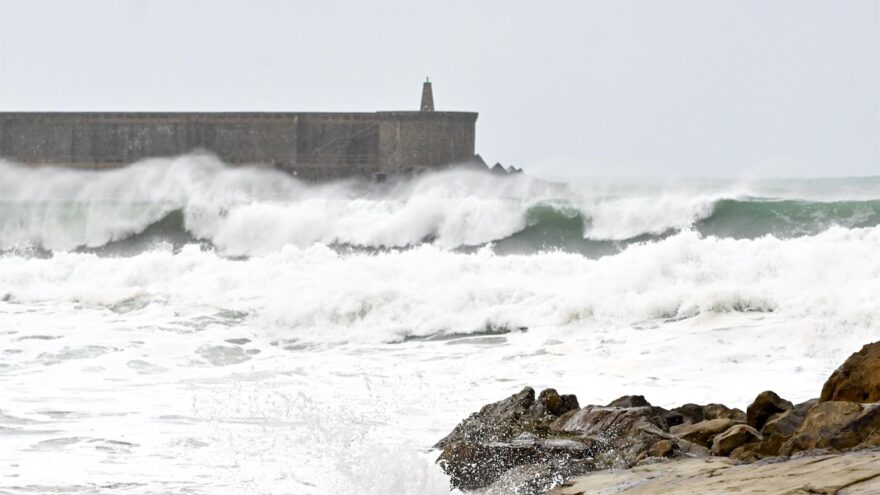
<point x="612" y="422"/>
<point x="529" y="479"/>
<point x="509" y="433"/>
<point x="556" y="404"/>
<point x="505" y="419"/>
<point x="692" y="412"/>
<point x="734" y="437"/>
<point x="662" y="448"/>
<point x="864" y="430"/>
<point x="674" y="418"/>
<point x="704" y="432"/>
<point x="690" y="449"/>
<point x="473" y="465"/>
<point x="850" y="473"/>
<point x="630" y="401"/>
<point x="780" y="427"/>
<point x="551" y="401"/>
<point x="627" y="432"/>
<point x="745" y="453"/>
<point x="766" y="404"/>
<point x="857" y="380"/>
<point x="835" y="425"/>
<point x="720" y="411"/>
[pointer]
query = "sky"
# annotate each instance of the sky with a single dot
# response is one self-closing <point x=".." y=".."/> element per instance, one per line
<point x="695" y="88"/>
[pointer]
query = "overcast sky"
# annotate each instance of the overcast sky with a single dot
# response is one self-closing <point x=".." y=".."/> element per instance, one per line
<point x="577" y="88"/>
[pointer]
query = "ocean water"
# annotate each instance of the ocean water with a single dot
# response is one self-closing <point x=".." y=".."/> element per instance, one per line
<point x="179" y="326"/>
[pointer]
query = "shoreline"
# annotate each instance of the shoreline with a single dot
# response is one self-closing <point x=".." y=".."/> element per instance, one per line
<point x="534" y="443"/>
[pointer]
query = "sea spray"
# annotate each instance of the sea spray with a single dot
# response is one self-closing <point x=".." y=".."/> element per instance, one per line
<point x="317" y="294"/>
<point x="179" y="326"/>
<point x="256" y="211"/>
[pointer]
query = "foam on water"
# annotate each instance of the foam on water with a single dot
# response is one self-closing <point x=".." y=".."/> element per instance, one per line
<point x="302" y="368"/>
<point x="255" y="211"/>
<point x="317" y="294"/>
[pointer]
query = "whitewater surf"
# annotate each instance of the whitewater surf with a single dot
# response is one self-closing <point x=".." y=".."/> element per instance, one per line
<point x="180" y="326"/>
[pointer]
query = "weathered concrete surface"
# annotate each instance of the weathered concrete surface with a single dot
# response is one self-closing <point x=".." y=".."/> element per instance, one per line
<point x="852" y="473"/>
<point x="312" y="146"/>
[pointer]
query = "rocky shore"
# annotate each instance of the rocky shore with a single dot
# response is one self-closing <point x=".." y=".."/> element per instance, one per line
<point x="533" y="443"/>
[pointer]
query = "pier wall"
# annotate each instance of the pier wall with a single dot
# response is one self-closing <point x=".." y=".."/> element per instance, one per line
<point x="312" y="146"/>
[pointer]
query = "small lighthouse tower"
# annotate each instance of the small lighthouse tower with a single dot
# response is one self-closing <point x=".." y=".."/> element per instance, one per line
<point x="427" y="97"/>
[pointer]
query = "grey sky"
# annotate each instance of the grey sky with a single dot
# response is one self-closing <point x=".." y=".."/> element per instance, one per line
<point x="685" y="88"/>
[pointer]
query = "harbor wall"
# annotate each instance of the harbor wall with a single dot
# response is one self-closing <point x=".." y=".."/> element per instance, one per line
<point x="312" y="146"/>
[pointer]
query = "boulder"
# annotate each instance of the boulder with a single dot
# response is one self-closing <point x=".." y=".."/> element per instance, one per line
<point x="630" y="401"/>
<point x="674" y="418"/>
<point x="780" y="427"/>
<point x="735" y="436"/>
<point x="526" y="437"/>
<point x="720" y="411"/>
<point x="693" y="413"/>
<point x="473" y="465"/>
<point x="509" y="433"/>
<point x="534" y="478"/>
<point x="704" y="432"/>
<point x="746" y="453"/>
<point x="766" y="404"/>
<point x="662" y="448"/>
<point x="627" y="432"/>
<point x="857" y="380"/>
<point x="508" y="418"/>
<point x="556" y="404"/>
<point x="822" y="423"/>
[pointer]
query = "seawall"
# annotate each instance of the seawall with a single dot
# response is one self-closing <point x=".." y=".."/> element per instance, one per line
<point x="312" y="146"/>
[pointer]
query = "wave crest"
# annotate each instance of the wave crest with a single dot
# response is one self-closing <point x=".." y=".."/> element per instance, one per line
<point x="256" y="211"/>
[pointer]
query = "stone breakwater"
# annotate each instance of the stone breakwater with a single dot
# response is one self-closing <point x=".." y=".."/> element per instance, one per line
<point x="528" y="443"/>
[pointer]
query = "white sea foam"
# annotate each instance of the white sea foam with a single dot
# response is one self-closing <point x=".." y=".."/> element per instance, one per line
<point x="248" y="211"/>
<point x="317" y="294"/>
<point x="285" y="373"/>
<point x="303" y="369"/>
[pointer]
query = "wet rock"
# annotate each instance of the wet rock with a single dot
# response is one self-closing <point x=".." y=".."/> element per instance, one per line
<point x="630" y="401"/>
<point x="662" y="448"/>
<point x="704" y="432"/>
<point x="746" y="453"/>
<point x="569" y="402"/>
<point x="780" y="427"/>
<point x="550" y="431"/>
<point x="720" y="411"/>
<point x="674" y="418"/>
<point x="551" y="401"/>
<point x="627" y="432"/>
<point x="509" y="433"/>
<point x="473" y="465"/>
<point x="533" y="479"/>
<point x="690" y="449"/>
<point x="526" y="444"/>
<point x="616" y="425"/>
<point x="765" y="405"/>
<point x="498" y="421"/>
<point x="556" y="404"/>
<point x="857" y="380"/>
<point x="822" y="423"/>
<point x="734" y="437"/>
<point x="693" y="413"/>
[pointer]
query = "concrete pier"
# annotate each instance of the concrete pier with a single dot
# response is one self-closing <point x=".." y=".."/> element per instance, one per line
<point x="312" y="146"/>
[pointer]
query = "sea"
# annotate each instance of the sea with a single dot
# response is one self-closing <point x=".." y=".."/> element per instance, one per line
<point x="180" y="326"/>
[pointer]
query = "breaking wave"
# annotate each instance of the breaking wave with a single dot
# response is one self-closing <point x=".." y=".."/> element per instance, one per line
<point x="254" y="211"/>
<point x="319" y="295"/>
